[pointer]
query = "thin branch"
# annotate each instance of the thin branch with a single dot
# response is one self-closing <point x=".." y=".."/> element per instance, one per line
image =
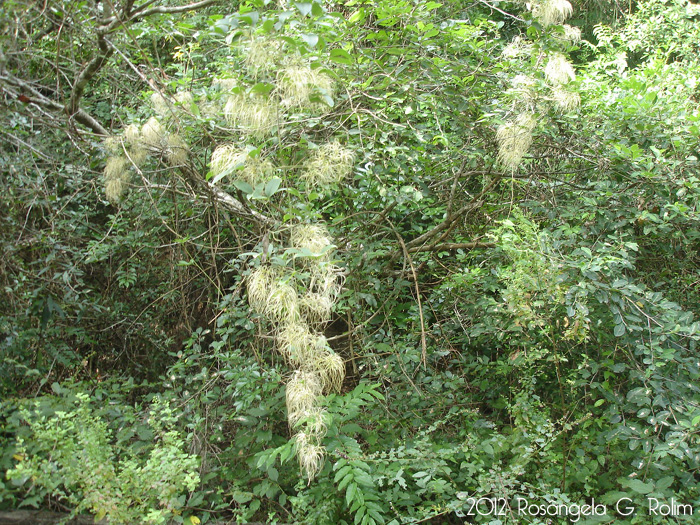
<point x="446" y="247"/>
<point x="141" y="12"/>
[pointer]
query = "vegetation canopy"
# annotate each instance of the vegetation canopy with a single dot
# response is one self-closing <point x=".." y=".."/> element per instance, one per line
<point x="350" y="262"/>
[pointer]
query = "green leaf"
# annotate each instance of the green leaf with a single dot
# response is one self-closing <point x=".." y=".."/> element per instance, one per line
<point x="310" y="39"/>
<point x="340" y="56"/>
<point x="639" y="486"/>
<point x="272" y="186"/>
<point x="244" y="187"/>
<point x="304" y="8"/>
<point x="350" y="493"/>
<point x="619" y="330"/>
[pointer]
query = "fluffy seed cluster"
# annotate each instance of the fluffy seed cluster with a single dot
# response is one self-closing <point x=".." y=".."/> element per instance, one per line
<point x="153" y="133"/>
<point x="176" y="150"/>
<point x="297" y="84"/>
<point x="184" y="98"/>
<point x="516" y="48"/>
<point x="264" y="55"/>
<point x="310" y="453"/>
<point x="514" y="139"/>
<point x="256" y="116"/>
<point x="116" y="178"/>
<point x="312" y="237"/>
<point x="226" y="158"/>
<point x="551" y="12"/>
<point x="318" y="369"/>
<point x="229" y="159"/>
<point x="559" y="70"/>
<point x="160" y="104"/>
<point x="571" y="34"/>
<point x="225" y="84"/>
<point x="565" y="100"/>
<point x="329" y="164"/>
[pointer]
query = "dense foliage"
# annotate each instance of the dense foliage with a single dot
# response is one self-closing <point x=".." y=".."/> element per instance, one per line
<point x="357" y="262"/>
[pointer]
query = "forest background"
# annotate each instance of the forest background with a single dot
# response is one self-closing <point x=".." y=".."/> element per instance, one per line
<point x="348" y="262"/>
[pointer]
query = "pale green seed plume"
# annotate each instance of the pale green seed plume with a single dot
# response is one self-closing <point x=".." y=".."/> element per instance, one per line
<point x="152" y="133"/>
<point x="316" y="308"/>
<point x="313" y="237"/>
<point x="138" y="155"/>
<point x="116" y="178"/>
<point x="264" y="55"/>
<point x="226" y="157"/>
<point x="176" y="150"/>
<point x="571" y="34"/>
<point x="329" y="164"/>
<point x="282" y="305"/>
<point x="517" y="47"/>
<point x="185" y="99"/>
<point x="297" y="83"/>
<point x="303" y="391"/>
<point x="114" y="189"/>
<point x="331" y="368"/>
<point x="514" y="139"/>
<point x="256" y="116"/>
<point x="551" y="12"/>
<point x="559" y="70"/>
<point x="132" y="135"/>
<point x="260" y="284"/>
<point x="160" y="104"/>
<point x="112" y="145"/>
<point x="311" y="455"/>
<point x="565" y="100"/>
<point x="297" y="344"/>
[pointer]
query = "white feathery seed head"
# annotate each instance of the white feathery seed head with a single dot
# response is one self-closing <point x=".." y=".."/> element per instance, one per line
<point x="153" y="133"/>
<point x="331" y="368"/>
<point x="311" y="455"/>
<point x="302" y="395"/>
<point x="316" y="308"/>
<point x="256" y="170"/>
<point x="114" y="189"/>
<point x="160" y="104"/>
<point x="226" y="158"/>
<point x="282" y="304"/>
<point x="571" y="34"/>
<point x="514" y="139"/>
<point x="132" y="135"/>
<point x="559" y="70"/>
<point x="313" y="237"/>
<point x="314" y="423"/>
<point x="297" y="344"/>
<point x="523" y="89"/>
<point x="112" y="145"/>
<point x="185" y="99"/>
<point x="565" y="100"/>
<point x="116" y="168"/>
<point x="176" y="150"/>
<point x="256" y="116"/>
<point x="516" y="48"/>
<point x="329" y="164"/>
<point x="551" y="12"/>
<point x="225" y="84"/>
<point x="137" y="154"/>
<point x="264" y="55"/>
<point x="327" y="280"/>
<point x="298" y="83"/>
<point x="260" y="283"/>
<point x="116" y="178"/>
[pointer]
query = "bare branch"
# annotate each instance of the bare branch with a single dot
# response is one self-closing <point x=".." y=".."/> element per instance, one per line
<point x="141" y="11"/>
